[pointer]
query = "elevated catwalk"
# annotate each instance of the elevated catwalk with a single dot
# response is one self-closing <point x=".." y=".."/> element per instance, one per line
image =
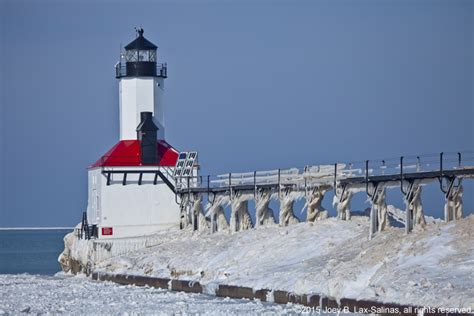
<point x="409" y="173"/>
<point x="424" y="169"/>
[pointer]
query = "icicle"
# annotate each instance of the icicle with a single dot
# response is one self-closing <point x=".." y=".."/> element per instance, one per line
<point x="315" y="211"/>
<point x="264" y="214"/>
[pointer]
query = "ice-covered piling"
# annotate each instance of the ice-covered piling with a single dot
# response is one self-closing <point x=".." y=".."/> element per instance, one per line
<point x="240" y="217"/>
<point x="287" y="200"/>
<point x="200" y="221"/>
<point x="453" y="209"/>
<point x="414" y="208"/>
<point x="263" y="213"/>
<point x="315" y="211"/>
<point x="215" y="211"/>
<point x="378" y="211"/>
<point x="418" y="215"/>
<point x="185" y="210"/>
<point x="342" y="202"/>
<point x="382" y="212"/>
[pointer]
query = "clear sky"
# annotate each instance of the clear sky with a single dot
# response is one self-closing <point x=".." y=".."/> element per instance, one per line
<point x="252" y="85"/>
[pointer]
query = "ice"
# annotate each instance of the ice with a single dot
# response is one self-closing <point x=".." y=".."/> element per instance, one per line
<point x="432" y="266"/>
<point x="71" y="295"/>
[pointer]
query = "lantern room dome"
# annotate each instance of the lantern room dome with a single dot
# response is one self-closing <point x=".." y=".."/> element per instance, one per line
<point x="141" y="43"/>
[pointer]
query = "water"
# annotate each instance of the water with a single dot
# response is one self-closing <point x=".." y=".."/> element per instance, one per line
<point x="31" y="251"/>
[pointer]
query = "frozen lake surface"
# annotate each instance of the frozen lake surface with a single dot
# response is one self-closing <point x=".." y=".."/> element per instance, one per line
<point x="75" y="295"/>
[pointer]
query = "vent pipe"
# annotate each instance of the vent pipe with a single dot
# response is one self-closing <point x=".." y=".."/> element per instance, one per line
<point x="147" y="135"/>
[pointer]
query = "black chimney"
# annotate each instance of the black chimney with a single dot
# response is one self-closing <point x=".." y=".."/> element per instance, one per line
<point x="146" y="134"/>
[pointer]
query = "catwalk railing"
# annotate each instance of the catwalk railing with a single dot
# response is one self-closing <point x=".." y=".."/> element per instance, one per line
<point x="428" y="166"/>
<point x="151" y="68"/>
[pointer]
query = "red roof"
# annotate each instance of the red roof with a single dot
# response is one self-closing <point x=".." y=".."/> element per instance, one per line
<point x="127" y="153"/>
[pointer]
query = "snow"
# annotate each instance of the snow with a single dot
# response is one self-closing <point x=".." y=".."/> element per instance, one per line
<point x="73" y="295"/>
<point x="399" y="216"/>
<point x="433" y="266"/>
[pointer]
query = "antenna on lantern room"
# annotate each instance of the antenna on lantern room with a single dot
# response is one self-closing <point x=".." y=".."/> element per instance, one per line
<point x="139" y="31"/>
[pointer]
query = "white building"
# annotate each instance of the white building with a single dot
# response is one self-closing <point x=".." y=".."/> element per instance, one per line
<point x="131" y="186"/>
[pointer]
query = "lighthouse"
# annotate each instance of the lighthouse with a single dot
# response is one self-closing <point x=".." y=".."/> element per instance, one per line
<point x="131" y="189"/>
<point x="141" y="86"/>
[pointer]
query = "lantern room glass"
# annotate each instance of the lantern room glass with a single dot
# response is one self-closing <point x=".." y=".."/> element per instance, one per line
<point x="131" y="55"/>
<point x="134" y="55"/>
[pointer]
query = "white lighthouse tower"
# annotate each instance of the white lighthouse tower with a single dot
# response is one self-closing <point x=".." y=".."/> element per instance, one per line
<point x="131" y="187"/>
<point x="141" y="86"/>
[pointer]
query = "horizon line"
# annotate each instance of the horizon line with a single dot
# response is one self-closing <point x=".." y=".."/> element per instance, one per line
<point x="34" y="228"/>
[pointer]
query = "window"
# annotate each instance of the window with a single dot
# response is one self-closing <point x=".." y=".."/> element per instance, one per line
<point x="142" y="55"/>
<point x="152" y="55"/>
<point x="131" y="55"/>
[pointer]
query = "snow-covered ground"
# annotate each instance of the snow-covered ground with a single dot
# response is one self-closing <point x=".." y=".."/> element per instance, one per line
<point x="430" y="267"/>
<point x="74" y="295"/>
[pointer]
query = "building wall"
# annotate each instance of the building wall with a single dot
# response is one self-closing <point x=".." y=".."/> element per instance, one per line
<point x="137" y="95"/>
<point x="131" y="209"/>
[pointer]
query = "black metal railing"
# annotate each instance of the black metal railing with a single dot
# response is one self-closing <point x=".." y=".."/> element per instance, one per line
<point x="130" y="69"/>
<point x="438" y="162"/>
<point x="87" y="231"/>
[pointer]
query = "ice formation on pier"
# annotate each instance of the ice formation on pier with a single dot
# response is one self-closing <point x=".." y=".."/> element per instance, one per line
<point x="315" y="211"/>
<point x="287" y="201"/>
<point x="203" y="223"/>
<point x="215" y="211"/>
<point x="417" y="208"/>
<point x="240" y="217"/>
<point x="453" y="209"/>
<point x="382" y="212"/>
<point x="263" y="213"/>
<point x="342" y="201"/>
<point x="414" y="208"/>
<point x="378" y="211"/>
<point x="185" y="216"/>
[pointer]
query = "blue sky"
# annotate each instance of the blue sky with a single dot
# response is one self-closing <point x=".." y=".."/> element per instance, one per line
<point x="252" y="85"/>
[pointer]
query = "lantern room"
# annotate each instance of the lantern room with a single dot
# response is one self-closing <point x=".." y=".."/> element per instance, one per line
<point x="139" y="59"/>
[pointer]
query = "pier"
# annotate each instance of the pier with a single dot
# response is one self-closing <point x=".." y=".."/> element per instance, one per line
<point x="407" y="173"/>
